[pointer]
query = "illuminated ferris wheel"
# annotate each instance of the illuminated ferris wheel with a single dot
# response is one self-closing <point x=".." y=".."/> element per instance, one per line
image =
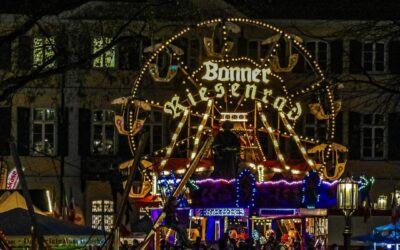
<point x="254" y="88"/>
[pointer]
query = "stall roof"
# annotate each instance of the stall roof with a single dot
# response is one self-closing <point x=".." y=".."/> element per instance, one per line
<point x="16" y="222"/>
<point x="13" y="200"/>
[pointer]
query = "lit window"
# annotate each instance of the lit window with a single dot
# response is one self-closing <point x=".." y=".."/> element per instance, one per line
<point x="43" y="132"/>
<point x="43" y="52"/>
<point x="103" y="132"/>
<point x="373" y="139"/>
<point x="154" y="126"/>
<point x="103" y="214"/>
<point x="374" y="56"/>
<point x="319" y="52"/>
<point x="107" y="59"/>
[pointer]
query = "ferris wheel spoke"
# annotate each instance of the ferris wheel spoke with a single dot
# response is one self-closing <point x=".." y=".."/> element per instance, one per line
<point x="174" y="138"/>
<point x="200" y="128"/>
<point x="297" y="140"/>
<point x="272" y="135"/>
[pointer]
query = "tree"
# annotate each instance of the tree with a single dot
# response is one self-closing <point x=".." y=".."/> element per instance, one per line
<point x="59" y="23"/>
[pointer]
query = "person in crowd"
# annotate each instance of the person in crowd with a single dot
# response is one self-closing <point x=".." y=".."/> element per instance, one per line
<point x="226" y="148"/>
<point x="171" y="221"/>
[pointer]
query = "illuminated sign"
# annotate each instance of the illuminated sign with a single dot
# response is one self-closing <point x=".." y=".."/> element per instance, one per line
<point x="12" y="179"/>
<point x="234" y="117"/>
<point x="278" y="211"/>
<point x="229" y="212"/>
<point x="234" y="76"/>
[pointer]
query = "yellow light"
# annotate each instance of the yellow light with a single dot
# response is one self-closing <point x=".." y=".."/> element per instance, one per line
<point x="277" y="170"/>
<point x="295" y="171"/>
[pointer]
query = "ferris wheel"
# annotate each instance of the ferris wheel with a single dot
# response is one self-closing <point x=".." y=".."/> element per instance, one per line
<point x="252" y="84"/>
<point x="255" y="88"/>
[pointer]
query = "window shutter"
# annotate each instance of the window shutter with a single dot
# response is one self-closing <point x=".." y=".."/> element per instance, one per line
<point x="62" y="136"/>
<point x="242" y="46"/>
<point x="394" y="55"/>
<point x="183" y="44"/>
<point x="5" y="55"/>
<point x="129" y="53"/>
<point x="394" y="136"/>
<point x="339" y="128"/>
<point x="135" y="55"/>
<point x="336" y="56"/>
<point x="85" y="50"/>
<point x="283" y="53"/>
<point x="24" y="128"/>
<point x="61" y="50"/>
<point x="5" y="130"/>
<point x="25" y="53"/>
<point x="85" y="123"/>
<point x="123" y="53"/>
<point x="355" y="57"/>
<point x="354" y="136"/>
<point x="124" y="151"/>
<point x="299" y="67"/>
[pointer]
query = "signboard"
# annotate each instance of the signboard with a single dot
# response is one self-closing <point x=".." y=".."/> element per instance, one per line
<point x="228" y="212"/>
<point x="12" y="179"/>
<point x="247" y="82"/>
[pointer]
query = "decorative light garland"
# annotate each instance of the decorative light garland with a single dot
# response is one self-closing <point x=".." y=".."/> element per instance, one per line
<point x="244" y="173"/>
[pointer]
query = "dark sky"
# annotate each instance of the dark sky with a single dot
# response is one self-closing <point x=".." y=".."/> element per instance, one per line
<point x="265" y="9"/>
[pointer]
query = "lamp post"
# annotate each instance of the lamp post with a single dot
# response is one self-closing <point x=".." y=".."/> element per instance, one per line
<point x="347" y="201"/>
<point x="382" y="202"/>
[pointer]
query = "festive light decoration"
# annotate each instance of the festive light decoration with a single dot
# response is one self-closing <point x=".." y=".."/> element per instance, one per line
<point x="274" y="140"/>
<point x="265" y="212"/>
<point x="253" y="189"/>
<point x="174" y="139"/>
<point x="296" y="138"/>
<point x="233" y="117"/>
<point x="228" y="212"/>
<point x="366" y="182"/>
<point x="167" y="184"/>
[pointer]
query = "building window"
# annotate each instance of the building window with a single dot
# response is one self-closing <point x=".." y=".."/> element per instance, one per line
<point x="43" y="131"/>
<point x="43" y="52"/>
<point x="155" y="128"/>
<point x="103" y="214"/>
<point x="314" y="128"/>
<point x="194" y="53"/>
<point x="319" y="52"/>
<point x="103" y="136"/>
<point x="373" y="139"/>
<point x="374" y="56"/>
<point x="256" y="50"/>
<point x="107" y="58"/>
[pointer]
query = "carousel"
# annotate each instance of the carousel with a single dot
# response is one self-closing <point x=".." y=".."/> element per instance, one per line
<point x="237" y="159"/>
